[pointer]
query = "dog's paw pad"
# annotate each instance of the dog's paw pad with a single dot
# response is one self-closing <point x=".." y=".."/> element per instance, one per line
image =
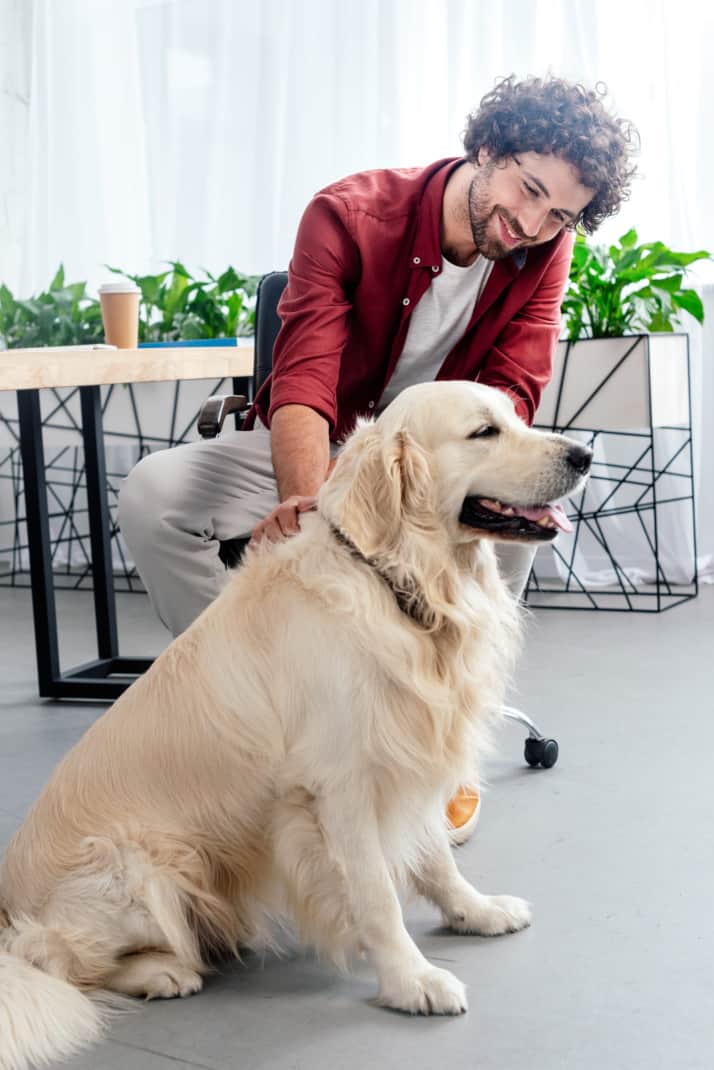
<point x="433" y="991"/>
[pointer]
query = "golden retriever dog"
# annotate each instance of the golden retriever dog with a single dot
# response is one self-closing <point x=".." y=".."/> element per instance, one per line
<point x="292" y="753"/>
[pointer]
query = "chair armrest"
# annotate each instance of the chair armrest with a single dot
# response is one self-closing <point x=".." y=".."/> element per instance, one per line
<point x="214" y="411"/>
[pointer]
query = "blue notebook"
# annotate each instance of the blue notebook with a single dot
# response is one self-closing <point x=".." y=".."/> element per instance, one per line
<point x="192" y="342"/>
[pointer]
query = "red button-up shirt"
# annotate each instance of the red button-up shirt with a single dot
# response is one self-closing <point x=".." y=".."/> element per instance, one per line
<point x="367" y="249"/>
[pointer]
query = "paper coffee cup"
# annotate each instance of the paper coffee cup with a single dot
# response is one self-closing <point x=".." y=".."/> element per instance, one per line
<point x="120" y="313"/>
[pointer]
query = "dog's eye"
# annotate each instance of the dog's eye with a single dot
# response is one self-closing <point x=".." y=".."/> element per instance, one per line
<point x="485" y="432"/>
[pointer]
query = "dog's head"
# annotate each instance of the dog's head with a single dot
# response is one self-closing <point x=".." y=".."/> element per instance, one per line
<point x="452" y="458"/>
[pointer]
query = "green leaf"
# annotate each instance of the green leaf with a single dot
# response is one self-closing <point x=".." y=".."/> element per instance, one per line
<point x="691" y="302"/>
<point x="179" y="269"/>
<point x="229" y="280"/>
<point x="671" y="285"/>
<point x="124" y="274"/>
<point x="175" y="300"/>
<point x="151" y="287"/>
<point x="58" y="281"/>
<point x="234" y="305"/>
<point x="658" y="322"/>
<point x="627" y="241"/>
<point x="7" y="301"/>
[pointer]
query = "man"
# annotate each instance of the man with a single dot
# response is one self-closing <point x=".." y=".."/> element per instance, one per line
<point x="452" y="271"/>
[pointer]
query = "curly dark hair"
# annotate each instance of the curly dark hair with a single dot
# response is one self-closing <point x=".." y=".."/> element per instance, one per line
<point x="550" y="115"/>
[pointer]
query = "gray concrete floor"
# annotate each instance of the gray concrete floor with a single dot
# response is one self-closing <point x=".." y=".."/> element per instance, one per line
<point x="614" y="847"/>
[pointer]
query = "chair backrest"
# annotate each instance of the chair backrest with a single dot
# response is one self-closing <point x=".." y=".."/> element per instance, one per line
<point x="267" y="324"/>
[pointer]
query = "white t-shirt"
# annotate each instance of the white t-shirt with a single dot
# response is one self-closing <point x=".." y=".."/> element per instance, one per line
<point x="437" y="323"/>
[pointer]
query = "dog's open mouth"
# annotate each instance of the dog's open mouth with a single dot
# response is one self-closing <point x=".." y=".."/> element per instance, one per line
<point x="515" y="521"/>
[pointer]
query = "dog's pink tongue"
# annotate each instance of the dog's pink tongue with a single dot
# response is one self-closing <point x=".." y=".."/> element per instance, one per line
<point x="555" y="512"/>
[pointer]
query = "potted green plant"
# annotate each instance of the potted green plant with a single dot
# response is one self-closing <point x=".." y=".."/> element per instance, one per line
<point x="62" y="315"/>
<point x="176" y="306"/>
<point x="624" y="305"/>
<point x="628" y="288"/>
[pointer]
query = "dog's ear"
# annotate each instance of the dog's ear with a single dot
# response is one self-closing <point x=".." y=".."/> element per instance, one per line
<point x="391" y="491"/>
<point x="382" y="495"/>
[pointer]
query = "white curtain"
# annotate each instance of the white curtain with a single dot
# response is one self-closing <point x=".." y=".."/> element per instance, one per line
<point x="137" y="131"/>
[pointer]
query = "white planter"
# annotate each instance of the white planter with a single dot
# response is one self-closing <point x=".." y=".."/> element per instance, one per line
<point x="633" y="546"/>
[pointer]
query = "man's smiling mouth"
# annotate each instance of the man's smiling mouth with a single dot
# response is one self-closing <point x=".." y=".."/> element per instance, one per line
<point x="508" y="235"/>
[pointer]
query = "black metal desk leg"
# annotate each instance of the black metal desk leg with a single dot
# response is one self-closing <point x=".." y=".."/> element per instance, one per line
<point x="99" y="535"/>
<point x="38" y="538"/>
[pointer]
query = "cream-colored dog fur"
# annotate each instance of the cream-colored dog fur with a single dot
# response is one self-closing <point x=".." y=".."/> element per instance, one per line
<point x="292" y="752"/>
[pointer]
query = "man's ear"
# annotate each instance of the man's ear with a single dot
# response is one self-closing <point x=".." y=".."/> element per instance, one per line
<point x="391" y="490"/>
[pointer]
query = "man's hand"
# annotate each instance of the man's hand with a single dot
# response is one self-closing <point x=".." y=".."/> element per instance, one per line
<point x="284" y="520"/>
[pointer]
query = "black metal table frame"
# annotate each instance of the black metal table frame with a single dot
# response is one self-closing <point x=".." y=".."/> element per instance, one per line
<point x="109" y="674"/>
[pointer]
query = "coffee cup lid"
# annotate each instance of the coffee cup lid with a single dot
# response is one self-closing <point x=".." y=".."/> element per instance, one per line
<point x="119" y="288"/>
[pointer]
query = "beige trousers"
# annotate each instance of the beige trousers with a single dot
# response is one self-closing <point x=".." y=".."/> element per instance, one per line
<point x="177" y="505"/>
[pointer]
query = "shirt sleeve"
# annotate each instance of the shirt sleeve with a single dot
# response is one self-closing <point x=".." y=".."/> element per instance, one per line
<point x="314" y="309"/>
<point x="521" y="361"/>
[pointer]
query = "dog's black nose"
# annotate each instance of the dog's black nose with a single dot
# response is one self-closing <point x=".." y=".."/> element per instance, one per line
<point x="580" y="458"/>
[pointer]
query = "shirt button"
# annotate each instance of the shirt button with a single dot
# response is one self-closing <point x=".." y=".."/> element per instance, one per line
<point x="405" y="301"/>
<point x="435" y="268"/>
<point x="416" y="260"/>
<point x="370" y="405"/>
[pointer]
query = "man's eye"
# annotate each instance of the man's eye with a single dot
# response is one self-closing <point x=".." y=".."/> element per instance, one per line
<point x="485" y="432"/>
<point x="532" y="190"/>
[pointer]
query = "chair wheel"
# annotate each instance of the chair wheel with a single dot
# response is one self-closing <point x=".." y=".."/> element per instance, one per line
<point x="550" y="754"/>
<point x="542" y="752"/>
<point x="534" y="751"/>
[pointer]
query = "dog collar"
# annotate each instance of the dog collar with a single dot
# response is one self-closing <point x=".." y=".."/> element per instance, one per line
<point x="406" y="600"/>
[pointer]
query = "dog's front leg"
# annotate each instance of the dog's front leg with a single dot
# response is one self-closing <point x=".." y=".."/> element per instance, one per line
<point x="407" y="981"/>
<point x="339" y="880"/>
<point x="465" y="909"/>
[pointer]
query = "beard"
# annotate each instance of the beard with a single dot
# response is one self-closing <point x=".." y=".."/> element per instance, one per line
<point x="483" y="217"/>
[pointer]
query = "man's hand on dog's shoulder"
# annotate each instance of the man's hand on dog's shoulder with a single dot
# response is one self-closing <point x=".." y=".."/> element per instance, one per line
<point x="284" y="519"/>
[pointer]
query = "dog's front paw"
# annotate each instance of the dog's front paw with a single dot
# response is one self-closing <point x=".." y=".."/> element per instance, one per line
<point x="176" y="981"/>
<point x="490" y="915"/>
<point x="433" y="991"/>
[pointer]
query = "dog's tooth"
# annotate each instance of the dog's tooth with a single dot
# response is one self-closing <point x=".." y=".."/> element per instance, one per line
<point x="508" y="510"/>
<point x="544" y="522"/>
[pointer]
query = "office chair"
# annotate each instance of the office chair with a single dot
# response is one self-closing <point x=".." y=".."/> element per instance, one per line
<point x="539" y="751"/>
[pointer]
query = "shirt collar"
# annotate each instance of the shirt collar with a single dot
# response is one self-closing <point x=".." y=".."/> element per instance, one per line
<point x="426" y="248"/>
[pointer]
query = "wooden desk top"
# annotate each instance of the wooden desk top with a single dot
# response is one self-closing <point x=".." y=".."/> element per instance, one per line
<point x="35" y="369"/>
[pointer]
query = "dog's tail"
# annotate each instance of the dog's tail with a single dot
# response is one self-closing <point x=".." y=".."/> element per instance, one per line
<point x="42" y="1018"/>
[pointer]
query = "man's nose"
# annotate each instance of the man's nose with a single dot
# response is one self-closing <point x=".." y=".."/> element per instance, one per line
<point x="531" y="219"/>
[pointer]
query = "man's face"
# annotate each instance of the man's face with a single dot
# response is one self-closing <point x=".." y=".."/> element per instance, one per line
<point x="524" y="200"/>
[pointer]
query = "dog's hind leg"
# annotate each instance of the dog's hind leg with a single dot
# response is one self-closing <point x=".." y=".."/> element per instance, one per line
<point x="464" y="908"/>
<point x="118" y="904"/>
<point x="154" y="975"/>
<point x="344" y="898"/>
